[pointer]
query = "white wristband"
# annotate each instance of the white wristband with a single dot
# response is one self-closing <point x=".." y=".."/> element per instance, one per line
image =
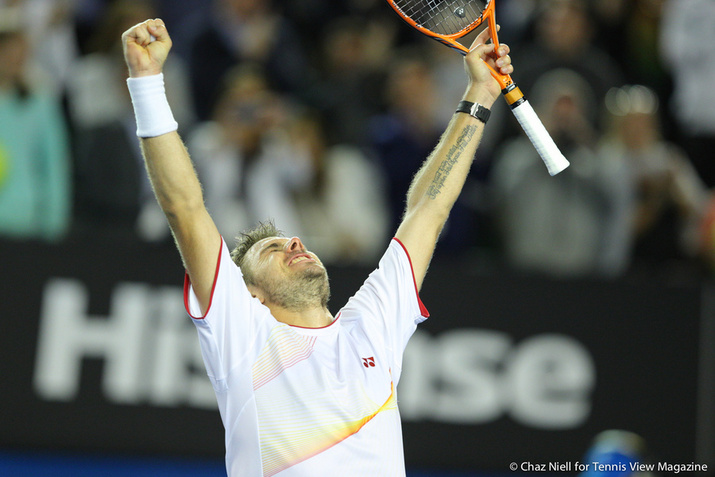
<point x="151" y="108"/>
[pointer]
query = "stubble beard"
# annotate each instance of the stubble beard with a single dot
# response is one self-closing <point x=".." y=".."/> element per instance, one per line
<point x="304" y="291"/>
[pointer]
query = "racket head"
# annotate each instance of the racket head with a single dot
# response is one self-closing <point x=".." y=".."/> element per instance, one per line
<point x="444" y="18"/>
<point x="448" y="20"/>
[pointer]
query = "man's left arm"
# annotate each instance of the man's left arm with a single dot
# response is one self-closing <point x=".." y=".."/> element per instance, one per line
<point x="437" y="185"/>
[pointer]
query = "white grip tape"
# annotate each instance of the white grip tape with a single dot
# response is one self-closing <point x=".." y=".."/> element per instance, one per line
<point x="151" y="108"/>
<point x="540" y="138"/>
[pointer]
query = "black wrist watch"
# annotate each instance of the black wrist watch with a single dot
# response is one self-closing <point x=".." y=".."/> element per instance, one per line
<point x="474" y="109"/>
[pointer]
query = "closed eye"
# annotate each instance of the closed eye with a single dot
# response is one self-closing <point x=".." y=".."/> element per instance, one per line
<point x="271" y="247"/>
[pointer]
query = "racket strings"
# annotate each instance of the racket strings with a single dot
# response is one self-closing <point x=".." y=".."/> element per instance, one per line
<point x="444" y="17"/>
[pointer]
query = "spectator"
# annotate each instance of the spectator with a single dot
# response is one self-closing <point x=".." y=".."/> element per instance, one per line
<point x="407" y="132"/>
<point x="112" y="190"/>
<point x="246" y="31"/>
<point x="520" y="14"/>
<point x="245" y="157"/>
<point x="642" y="61"/>
<point x="35" y="171"/>
<point x="310" y="17"/>
<point x="572" y="224"/>
<point x="355" y="54"/>
<point x="263" y="157"/>
<point x="611" y="18"/>
<point x="564" y="39"/>
<point x="692" y="64"/>
<point x="343" y="210"/>
<point x="669" y="196"/>
<point x="97" y="94"/>
<point x="628" y="30"/>
<point x="53" y="39"/>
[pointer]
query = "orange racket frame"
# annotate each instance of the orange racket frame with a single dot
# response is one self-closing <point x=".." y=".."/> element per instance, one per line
<point x="549" y="152"/>
<point x="511" y="92"/>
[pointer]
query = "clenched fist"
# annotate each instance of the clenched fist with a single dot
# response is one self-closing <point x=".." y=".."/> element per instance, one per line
<point x="146" y="46"/>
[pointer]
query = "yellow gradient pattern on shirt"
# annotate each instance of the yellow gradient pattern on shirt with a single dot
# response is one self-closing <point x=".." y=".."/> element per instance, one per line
<point x="297" y="436"/>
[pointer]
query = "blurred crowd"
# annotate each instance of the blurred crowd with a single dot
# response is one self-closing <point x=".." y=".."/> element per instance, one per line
<point x="318" y="113"/>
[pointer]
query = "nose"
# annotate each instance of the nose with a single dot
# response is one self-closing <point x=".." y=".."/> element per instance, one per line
<point x="295" y="245"/>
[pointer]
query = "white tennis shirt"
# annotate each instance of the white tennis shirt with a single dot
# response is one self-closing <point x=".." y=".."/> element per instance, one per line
<point x="310" y="401"/>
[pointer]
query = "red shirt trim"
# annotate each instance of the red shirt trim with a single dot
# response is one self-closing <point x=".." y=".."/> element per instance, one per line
<point x="423" y="308"/>
<point x="187" y="284"/>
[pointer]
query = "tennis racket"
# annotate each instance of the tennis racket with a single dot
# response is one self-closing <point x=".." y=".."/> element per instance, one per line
<point x="448" y="20"/>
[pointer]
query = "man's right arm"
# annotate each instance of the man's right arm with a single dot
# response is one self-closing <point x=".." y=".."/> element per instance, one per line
<point x="172" y="174"/>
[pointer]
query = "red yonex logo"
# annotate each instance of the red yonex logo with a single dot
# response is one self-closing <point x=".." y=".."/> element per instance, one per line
<point x="368" y="362"/>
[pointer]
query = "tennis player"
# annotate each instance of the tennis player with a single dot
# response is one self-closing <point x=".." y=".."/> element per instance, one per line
<point x="302" y="392"/>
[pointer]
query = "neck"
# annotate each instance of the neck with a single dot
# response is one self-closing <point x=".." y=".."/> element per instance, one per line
<point x="316" y="317"/>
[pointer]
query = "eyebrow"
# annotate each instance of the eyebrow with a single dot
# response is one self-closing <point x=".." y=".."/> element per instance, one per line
<point x="271" y="245"/>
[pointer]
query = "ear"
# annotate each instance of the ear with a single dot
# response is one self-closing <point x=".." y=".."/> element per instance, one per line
<point x="256" y="292"/>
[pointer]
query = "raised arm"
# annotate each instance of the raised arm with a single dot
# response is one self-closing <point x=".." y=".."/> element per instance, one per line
<point x="173" y="178"/>
<point x="438" y="183"/>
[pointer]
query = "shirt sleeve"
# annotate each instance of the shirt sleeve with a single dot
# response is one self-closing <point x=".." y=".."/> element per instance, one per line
<point x="228" y="329"/>
<point x="388" y="304"/>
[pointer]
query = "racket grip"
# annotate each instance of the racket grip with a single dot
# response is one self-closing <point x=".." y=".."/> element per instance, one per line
<point x="540" y="138"/>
